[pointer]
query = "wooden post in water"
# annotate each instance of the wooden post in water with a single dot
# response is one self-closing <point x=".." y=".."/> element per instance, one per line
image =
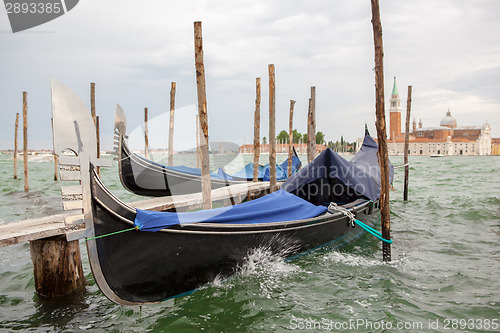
<point x="95" y="118"/>
<point x="407" y="144"/>
<point x="272" y="128"/>
<point x="383" y="155"/>
<point x="290" y="138"/>
<point x="198" y="152"/>
<point x="25" y="140"/>
<point x="56" y="166"/>
<point x="97" y="133"/>
<point x="312" y="122"/>
<point x="92" y="100"/>
<point x="57" y="266"/>
<point x="146" y="139"/>
<point x="206" y="185"/>
<point x="15" y="145"/>
<point x="256" y="132"/>
<point x="171" y="126"/>
<point x="308" y="136"/>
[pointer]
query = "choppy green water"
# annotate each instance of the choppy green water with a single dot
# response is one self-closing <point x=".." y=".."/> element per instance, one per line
<point x="444" y="275"/>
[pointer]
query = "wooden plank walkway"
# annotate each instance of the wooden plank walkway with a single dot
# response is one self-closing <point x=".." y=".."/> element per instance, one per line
<point x="31" y="229"/>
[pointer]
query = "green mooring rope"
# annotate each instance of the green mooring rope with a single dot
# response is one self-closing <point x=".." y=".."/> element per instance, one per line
<point x="373" y="232"/>
<point x="112" y="233"/>
<point x="367" y="228"/>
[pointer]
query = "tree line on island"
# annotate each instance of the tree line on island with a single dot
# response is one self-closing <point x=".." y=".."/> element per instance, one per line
<point x="337" y="146"/>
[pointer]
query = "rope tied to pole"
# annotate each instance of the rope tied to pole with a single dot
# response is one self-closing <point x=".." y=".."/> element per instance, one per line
<point x="333" y="207"/>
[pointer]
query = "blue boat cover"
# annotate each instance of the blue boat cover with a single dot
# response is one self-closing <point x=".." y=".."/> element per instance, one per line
<point x="263" y="171"/>
<point x="330" y="177"/>
<point x="183" y="169"/>
<point x="366" y="158"/>
<point x="192" y="171"/>
<point x="278" y="206"/>
<point x="244" y="174"/>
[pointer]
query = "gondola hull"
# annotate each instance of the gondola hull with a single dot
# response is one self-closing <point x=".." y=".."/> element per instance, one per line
<point x="141" y="267"/>
<point x="136" y="266"/>
<point x="143" y="177"/>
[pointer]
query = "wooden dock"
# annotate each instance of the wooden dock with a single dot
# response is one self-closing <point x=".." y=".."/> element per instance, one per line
<point x="38" y="228"/>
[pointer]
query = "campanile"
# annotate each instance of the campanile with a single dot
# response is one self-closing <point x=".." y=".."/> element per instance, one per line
<point x="395" y="113"/>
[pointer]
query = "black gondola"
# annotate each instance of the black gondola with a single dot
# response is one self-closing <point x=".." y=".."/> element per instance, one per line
<point x="135" y="267"/>
<point x="145" y="177"/>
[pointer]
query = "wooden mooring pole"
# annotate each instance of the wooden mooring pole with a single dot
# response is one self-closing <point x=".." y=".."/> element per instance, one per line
<point x="56" y="165"/>
<point x="256" y="132"/>
<point x="202" y="112"/>
<point x="146" y="139"/>
<point x="95" y="118"/>
<point x="57" y="266"/>
<point x="308" y="136"/>
<point x="98" y="144"/>
<point x="56" y="168"/>
<point x="381" y="130"/>
<point x="407" y="144"/>
<point x="15" y="145"/>
<point x="25" y="140"/>
<point x="312" y="126"/>
<point x="198" y="152"/>
<point x="290" y="138"/>
<point x="92" y="100"/>
<point x="272" y="128"/>
<point x="171" y="126"/>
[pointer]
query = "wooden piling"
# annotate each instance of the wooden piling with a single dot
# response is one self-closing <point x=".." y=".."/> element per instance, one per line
<point x="272" y="128"/>
<point x="381" y="130"/>
<point x="202" y="112"/>
<point x="256" y="132"/>
<point x="15" y="145"/>
<point x="57" y="267"/>
<point x="407" y="144"/>
<point x="308" y="136"/>
<point x="171" y="126"/>
<point x="312" y="123"/>
<point x="25" y="140"/>
<point x="97" y="133"/>
<point x="198" y="152"/>
<point x="95" y="118"/>
<point x="92" y="100"/>
<point x="290" y="138"/>
<point x="146" y="139"/>
<point x="56" y="166"/>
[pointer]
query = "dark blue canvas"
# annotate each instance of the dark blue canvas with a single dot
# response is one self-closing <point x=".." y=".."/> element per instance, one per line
<point x="278" y="206"/>
<point x="263" y="172"/>
<point x="366" y="159"/>
<point x="330" y="177"/>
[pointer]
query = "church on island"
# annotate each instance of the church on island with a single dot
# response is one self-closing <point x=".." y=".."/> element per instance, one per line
<point x="446" y="139"/>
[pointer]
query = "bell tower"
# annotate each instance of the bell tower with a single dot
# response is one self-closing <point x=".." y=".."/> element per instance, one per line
<point x="395" y="113"/>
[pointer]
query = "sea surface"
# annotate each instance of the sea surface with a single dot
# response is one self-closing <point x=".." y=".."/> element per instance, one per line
<point x="444" y="275"/>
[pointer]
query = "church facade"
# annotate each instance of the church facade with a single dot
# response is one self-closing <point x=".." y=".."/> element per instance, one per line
<point x="446" y="139"/>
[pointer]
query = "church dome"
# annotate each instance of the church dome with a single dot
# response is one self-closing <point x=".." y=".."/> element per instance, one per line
<point x="448" y="121"/>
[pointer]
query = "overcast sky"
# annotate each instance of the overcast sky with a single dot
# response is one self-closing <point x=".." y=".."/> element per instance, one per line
<point x="449" y="51"/>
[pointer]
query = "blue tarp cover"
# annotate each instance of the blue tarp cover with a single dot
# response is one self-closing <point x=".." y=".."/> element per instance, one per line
<point x="263" y="171"/>
<point x="183" y="169"/>
<point x="366" y="158"/>
<point x="330" y="177"/>
<point x="275" y="207"/>
<point x="245" y="173"/>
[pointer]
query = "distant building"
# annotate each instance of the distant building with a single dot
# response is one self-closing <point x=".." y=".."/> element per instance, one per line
<point x="447" y="139"/>
<point x="495" y="146"/>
